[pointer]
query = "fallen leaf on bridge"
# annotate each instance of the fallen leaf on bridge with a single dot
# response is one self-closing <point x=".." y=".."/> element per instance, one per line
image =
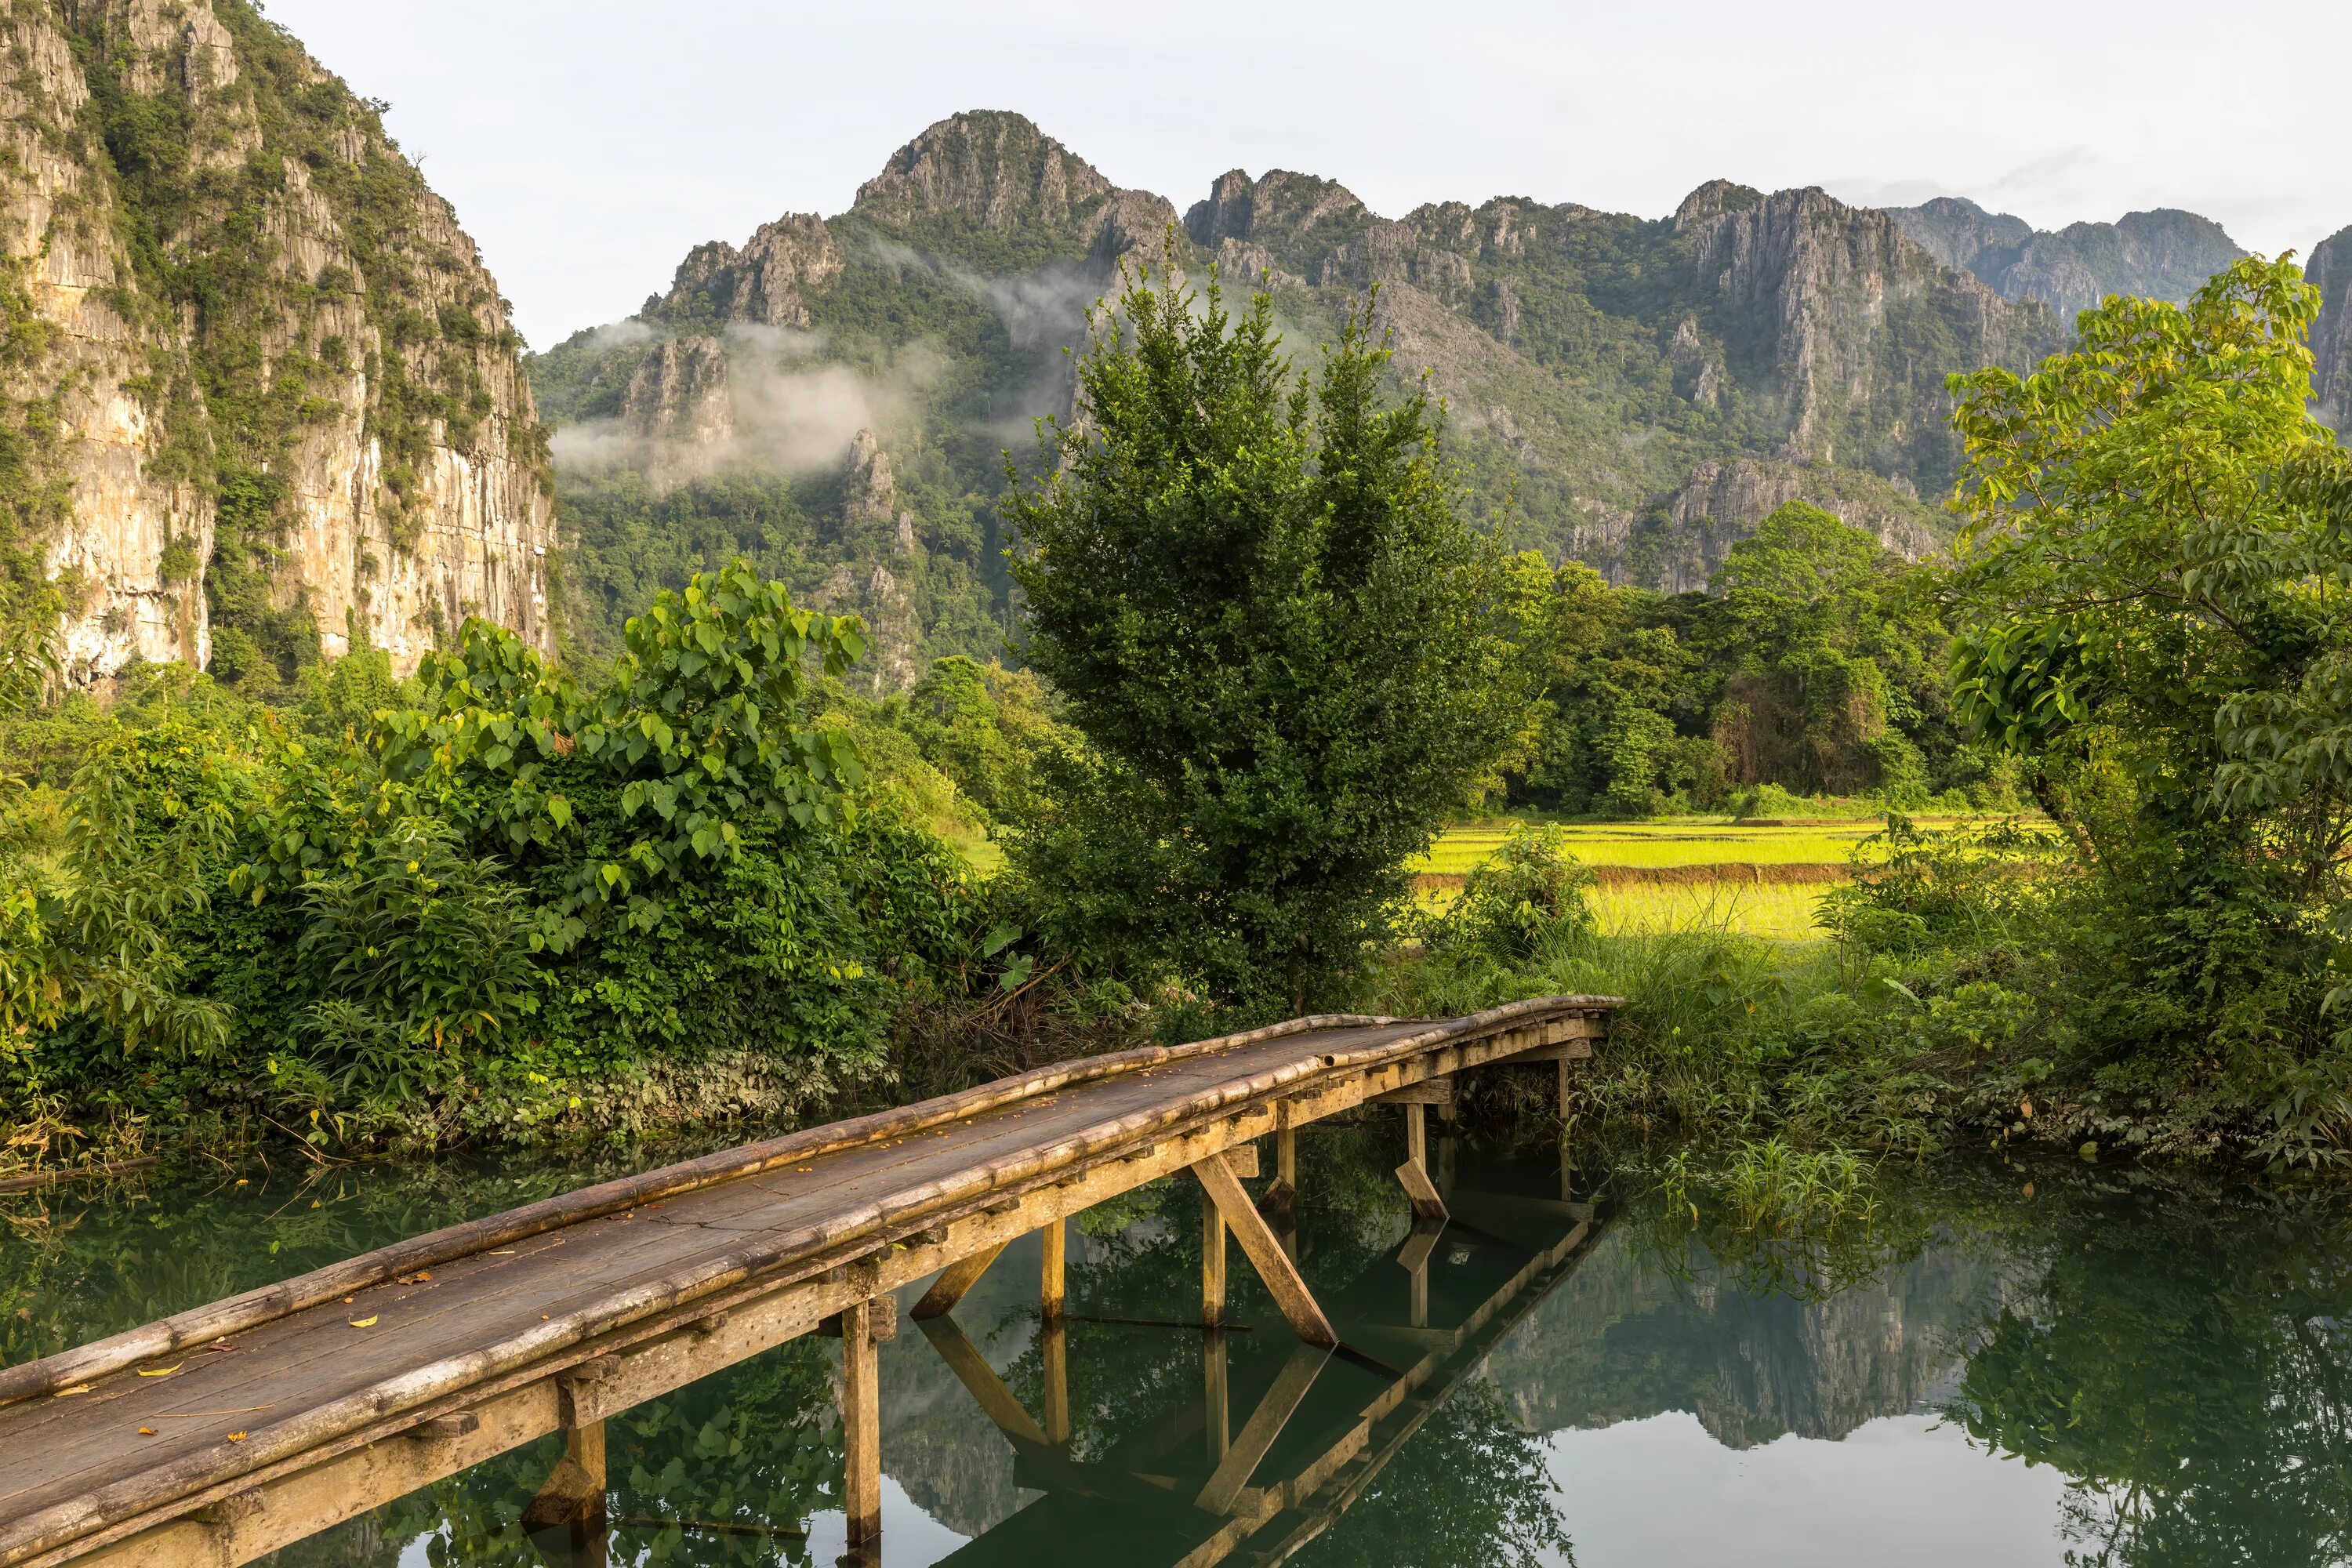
<point x="161" y="1370"/>
<point x="367" y="1322"/>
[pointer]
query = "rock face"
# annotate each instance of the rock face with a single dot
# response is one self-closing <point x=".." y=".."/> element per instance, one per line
<point x="260" y="390"/>
<point x="1828" y="295"/>
<point x="1635" y="392"/>
<point x="767" y="281"/>
<point x="2331" y="336"/>
<point x="2164" y="255"/>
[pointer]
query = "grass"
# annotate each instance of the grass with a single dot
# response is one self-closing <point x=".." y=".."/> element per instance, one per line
<point x="1782" y="911"/>
<point x="1690" y="841"/>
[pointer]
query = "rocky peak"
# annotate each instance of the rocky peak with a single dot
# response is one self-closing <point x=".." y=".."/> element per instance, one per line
<point x="2331" y="336"/>
<point x="409" y="490"/>
<point x="988" y="167"/>
<point x="1716" y="199"/>
<point x="1281" y="205"/>
<point x="769" y="281"/>
<point x="1830" y="288"/>
<point x="1963" y="236"/>
<point x="1133" y="223"/>
<point x="2163" y="253"/>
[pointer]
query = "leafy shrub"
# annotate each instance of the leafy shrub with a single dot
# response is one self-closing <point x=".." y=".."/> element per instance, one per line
<point x="1532" y="898"/>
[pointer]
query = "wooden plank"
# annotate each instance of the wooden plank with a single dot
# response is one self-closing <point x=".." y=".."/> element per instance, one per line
<point x="1413" y="1174"/>
<point x="861" y="1426"/>
<point x="574" y="1493"/>
<point x="1265" y="1424"/>
<point x="1426" y="1203"/>
<point x="1052" y="1285"/>
<point x="1437" y="1091"/>
<point x="1230" y="1201"/>
<point x="1213" y="1265"/>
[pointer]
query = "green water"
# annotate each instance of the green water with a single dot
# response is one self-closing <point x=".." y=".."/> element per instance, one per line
<point x="2008" y="1367"/>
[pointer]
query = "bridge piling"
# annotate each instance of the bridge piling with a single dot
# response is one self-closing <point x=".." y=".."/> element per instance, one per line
<point x="1212" y="1264"/>
<point x="861" y="1425"/>
<point x="567" y="1519"/>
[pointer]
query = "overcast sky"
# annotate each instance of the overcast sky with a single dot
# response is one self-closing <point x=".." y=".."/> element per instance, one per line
<point x="588" y="143"/>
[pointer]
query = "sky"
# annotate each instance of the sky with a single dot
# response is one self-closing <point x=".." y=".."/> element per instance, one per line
<point x="587" y="144"/>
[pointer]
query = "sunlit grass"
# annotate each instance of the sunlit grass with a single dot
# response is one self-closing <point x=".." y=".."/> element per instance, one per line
<point x="1782" y="911"/>
<point x="1695" y="841"/>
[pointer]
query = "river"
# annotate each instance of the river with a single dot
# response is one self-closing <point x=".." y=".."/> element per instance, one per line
<point x="2019" y="1365"/>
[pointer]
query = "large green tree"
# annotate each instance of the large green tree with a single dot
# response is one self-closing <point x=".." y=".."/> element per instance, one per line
<point x="2159" y="609"/>
<point x="1284" y="644"/>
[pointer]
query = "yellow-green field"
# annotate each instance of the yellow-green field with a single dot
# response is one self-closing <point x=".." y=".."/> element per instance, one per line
<point x="1686" y="842"/>
<point x="1783" y="911"/>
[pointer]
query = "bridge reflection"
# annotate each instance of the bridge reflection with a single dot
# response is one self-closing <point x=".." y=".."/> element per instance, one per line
<point x="1284" y="1436"/>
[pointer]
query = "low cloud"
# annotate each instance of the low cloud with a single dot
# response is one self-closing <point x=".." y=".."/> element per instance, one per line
<point x="762" y="401"/>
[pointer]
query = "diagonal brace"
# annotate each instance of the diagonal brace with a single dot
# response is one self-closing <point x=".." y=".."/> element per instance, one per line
<point x="958" y="1276"/>
<point x="1264" y="1249"/>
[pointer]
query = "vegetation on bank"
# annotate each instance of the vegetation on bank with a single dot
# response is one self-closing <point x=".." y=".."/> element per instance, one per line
<point x="1270" y="658"/>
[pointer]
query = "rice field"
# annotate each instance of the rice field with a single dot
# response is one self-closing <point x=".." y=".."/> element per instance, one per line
<point x="1783" y="911"/>
<point x="1764" y="879"/>
<point x="1684" y="842"/>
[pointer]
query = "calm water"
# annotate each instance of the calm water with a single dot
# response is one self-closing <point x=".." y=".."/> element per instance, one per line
<point x="2009" y="1367"/>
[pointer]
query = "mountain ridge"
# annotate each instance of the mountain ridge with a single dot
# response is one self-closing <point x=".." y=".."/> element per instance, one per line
<point x="1622" y="390"/>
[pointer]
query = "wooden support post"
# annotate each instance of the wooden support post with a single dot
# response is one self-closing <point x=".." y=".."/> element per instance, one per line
<point x="1265" y="1424"/>
<point x="1217" y="1414"/>
<point x="955" y="1281"/>
<point x="1212" y="1264"/>
<point x="566" y="1519"/>
<point x="1054" y="1349"/>
<point x="1566" y="1159"/>
<point x="1414" y="1258"/>
<point x="1051" y="1293"/>
<point x="861" y="1425"/>
<point x="1230" y="1199"/>
<point x="1285" y="1157"/>
<point x="1413" y="1174"/>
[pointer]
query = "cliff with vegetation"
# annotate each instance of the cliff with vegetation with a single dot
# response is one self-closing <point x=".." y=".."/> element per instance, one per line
<point x="258" y="397"/>
<point x="1631" y="393"/>
<point x="2164" y="254"/>
<point x="2331" y="335"/>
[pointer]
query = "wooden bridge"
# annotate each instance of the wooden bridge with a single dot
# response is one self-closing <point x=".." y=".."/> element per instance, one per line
<point x="222" y="1434"/>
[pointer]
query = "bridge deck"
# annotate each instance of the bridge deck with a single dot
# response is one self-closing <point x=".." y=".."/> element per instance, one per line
<point x="510" y="1324"/>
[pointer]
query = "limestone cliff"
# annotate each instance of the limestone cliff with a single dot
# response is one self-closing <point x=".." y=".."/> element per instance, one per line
<point x="1636" y="393"/>
<point x="2164" y="254"/>
<point x="257" y="392"/>
<point x="2331" y="336"/>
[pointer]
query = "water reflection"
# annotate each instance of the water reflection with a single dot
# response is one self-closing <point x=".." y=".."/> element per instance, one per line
<point x="2170" y="1364"/>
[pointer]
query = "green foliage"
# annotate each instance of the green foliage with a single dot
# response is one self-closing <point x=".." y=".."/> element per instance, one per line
<point x="1280" y="640"/>
<point x="1532" y="896"/>
<point x="492" y="905"/>
<point x="1813" y="664"/>
<point x="2156" y="616"/>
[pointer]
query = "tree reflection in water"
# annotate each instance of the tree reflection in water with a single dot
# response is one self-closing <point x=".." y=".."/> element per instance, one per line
<point x="2179" y="1351"/>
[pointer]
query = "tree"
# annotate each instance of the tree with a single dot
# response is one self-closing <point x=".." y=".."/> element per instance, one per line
<point x="1830" y="656"/>
<point x="1284" y="646"/>
<point x="2159" y="619"/>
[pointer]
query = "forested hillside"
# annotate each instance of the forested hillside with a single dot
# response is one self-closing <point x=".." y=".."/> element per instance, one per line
<point x="832" y="396"/>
